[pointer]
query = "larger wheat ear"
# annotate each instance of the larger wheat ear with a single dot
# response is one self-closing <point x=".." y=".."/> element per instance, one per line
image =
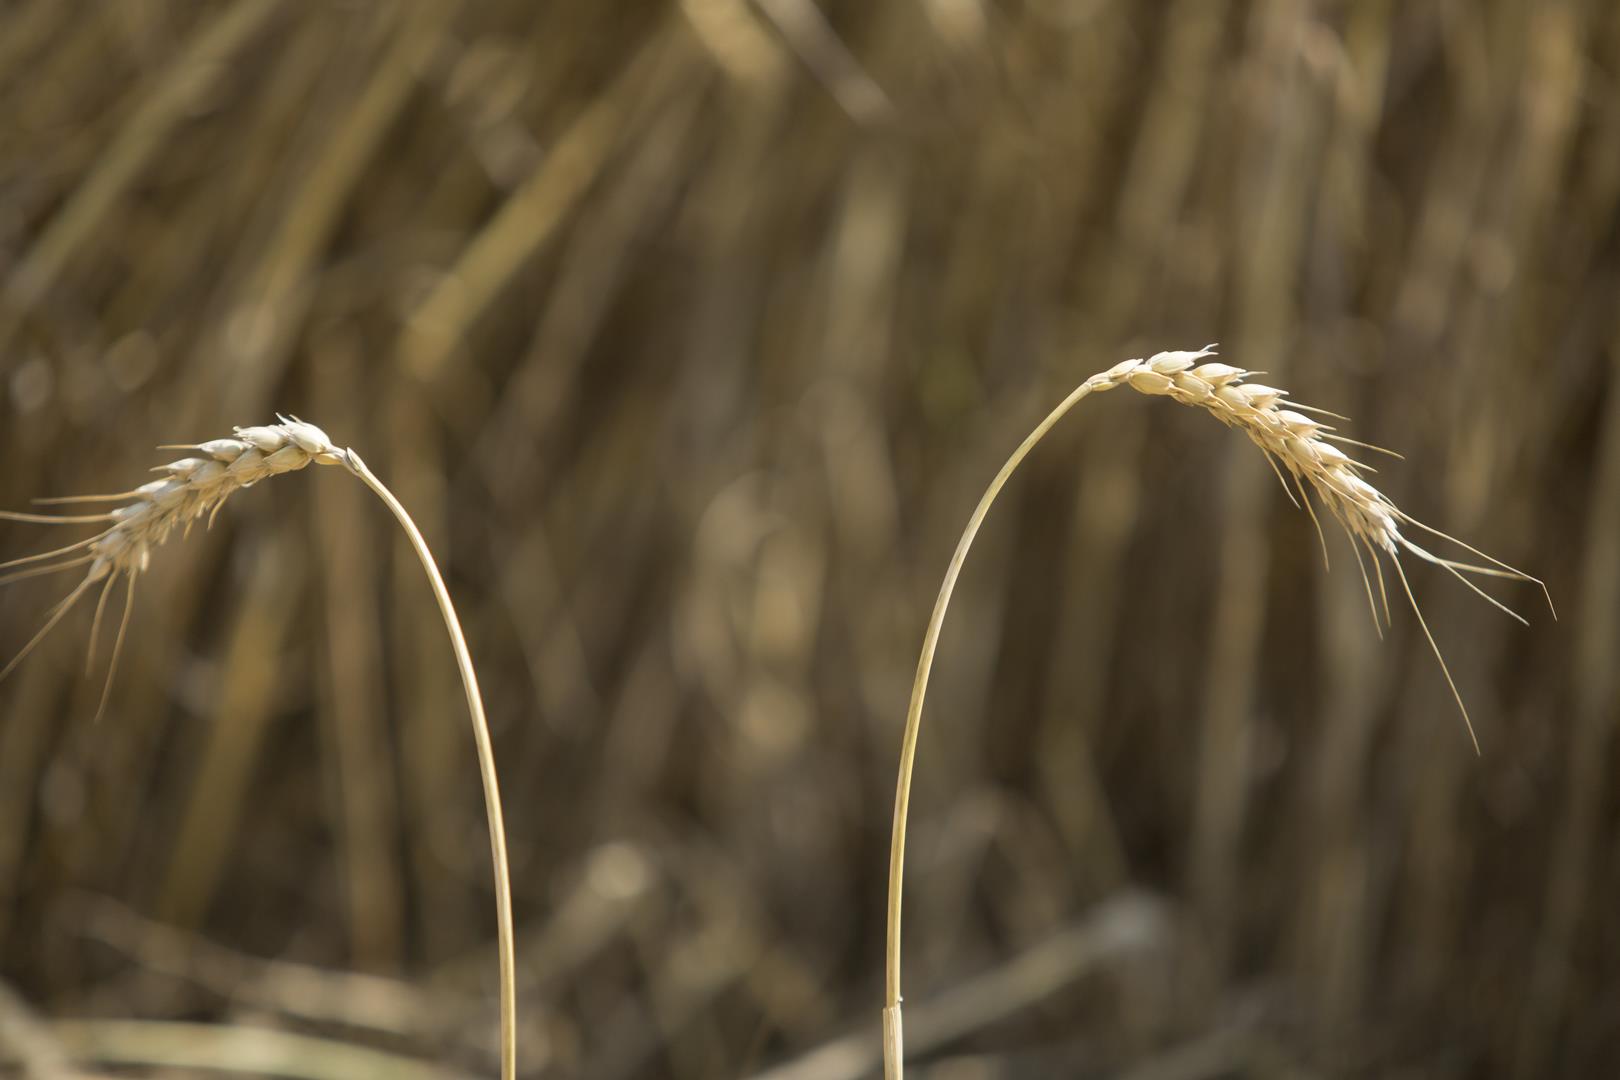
<point x="198" y="486"/>
<point x="1292" y="443"/>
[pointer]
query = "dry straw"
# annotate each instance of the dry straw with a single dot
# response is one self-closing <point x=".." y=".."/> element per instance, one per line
<point x="1300" y="449"/>
<point x="197" y="486"/>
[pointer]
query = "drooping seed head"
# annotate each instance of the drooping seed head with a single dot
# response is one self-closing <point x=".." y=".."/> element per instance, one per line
<point x="1298" y="447"/>
<point x="1289" y="437"/>
<point x="189" y="488"/>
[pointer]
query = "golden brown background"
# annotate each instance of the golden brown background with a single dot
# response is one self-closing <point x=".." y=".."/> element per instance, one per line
<point x="690" y="333"/>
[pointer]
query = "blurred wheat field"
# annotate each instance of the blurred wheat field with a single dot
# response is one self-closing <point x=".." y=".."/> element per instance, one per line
<point x="690" y="335"/>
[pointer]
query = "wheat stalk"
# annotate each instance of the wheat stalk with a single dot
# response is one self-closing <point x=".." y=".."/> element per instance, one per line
<point x="1298" y="448"/>
<point x="197" y="486"/>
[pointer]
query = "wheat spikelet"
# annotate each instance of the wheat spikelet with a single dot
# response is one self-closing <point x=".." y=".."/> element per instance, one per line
<point x="197" y="486"/>
<point x="1298" y="448"/>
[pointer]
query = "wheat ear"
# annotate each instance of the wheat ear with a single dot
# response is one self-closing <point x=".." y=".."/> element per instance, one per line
<point x="1298" y="448"/>
<point x="197" y="486"/>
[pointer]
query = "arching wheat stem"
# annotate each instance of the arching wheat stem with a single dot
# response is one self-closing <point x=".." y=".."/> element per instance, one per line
<point x="893" y="1033"/>
<point x="196" y="487"/>
<point x="486" y="764"/>
<point x="1293" y="444"/>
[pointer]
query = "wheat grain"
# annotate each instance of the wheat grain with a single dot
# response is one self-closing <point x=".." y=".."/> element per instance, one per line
<point x="198" y="486"/>
<point x="1298" y="448"/>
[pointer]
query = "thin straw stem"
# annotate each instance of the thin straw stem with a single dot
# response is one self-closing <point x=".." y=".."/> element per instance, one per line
<point x="893" y="1037"/>
<point x="486" y="765"/>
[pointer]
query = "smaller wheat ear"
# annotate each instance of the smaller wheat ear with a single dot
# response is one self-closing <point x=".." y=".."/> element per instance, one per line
<point x="197" y="486"/>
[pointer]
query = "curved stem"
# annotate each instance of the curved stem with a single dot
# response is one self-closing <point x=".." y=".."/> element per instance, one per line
<point x="893" y="1039"/>
<point x="486" y="765"/>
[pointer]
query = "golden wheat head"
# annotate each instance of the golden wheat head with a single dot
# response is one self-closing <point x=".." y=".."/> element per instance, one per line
<point x="189" y="488"/>
<point x="1305" y="449"/>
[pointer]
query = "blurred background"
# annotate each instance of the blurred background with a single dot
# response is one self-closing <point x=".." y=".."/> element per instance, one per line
<point x="691" y="333"/>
